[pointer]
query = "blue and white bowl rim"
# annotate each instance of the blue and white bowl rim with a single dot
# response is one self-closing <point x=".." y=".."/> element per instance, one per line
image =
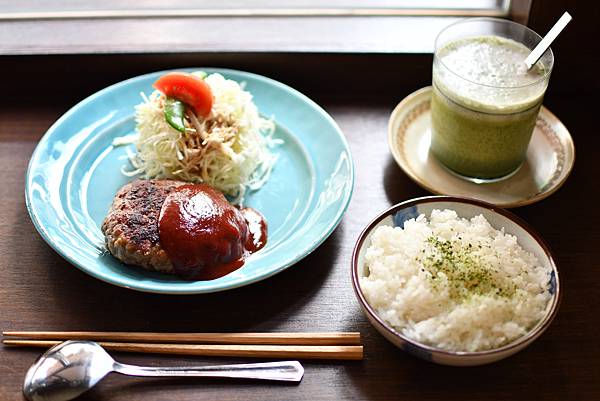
<point x="413" y="203"/>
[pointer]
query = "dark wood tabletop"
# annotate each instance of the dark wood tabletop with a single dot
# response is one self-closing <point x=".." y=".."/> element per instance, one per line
<point x="41" y="291"/>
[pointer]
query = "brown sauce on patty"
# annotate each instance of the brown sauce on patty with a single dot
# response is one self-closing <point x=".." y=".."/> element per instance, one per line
<point x="205" y="236"/>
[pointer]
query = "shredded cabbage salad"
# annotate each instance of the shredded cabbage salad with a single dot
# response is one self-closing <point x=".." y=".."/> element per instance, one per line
<point x="228" y="150"/>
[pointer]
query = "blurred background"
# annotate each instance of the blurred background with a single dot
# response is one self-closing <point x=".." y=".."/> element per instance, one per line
<point x="394" y="36"/>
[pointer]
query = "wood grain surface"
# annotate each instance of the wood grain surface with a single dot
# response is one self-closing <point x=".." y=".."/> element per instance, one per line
<point x="41" y="291"/>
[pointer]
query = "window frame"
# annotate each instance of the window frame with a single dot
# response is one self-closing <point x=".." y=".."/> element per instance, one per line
<point x="274" y="30"/>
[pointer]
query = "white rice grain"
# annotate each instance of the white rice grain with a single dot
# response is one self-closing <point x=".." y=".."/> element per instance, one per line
<point x="421" y="301"/>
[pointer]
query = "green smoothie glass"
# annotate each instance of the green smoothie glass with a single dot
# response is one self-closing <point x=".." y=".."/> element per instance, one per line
<point x="485" y="102"/>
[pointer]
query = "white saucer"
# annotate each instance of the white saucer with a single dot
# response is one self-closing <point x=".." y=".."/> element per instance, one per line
<point x="549" y="160"/>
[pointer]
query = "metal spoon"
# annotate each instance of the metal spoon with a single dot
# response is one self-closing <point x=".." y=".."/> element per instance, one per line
<point x="69" y="369"/>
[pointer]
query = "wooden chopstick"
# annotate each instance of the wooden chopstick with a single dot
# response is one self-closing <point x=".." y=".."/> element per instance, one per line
<point x="333" y="338"/>
<point x="342" y="352"/>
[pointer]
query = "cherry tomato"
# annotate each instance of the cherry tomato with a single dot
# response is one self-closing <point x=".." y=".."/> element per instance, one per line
<point x="189" y="89"/>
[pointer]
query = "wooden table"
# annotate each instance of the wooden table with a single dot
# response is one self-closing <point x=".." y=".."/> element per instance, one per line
<point x="39" y="290"/>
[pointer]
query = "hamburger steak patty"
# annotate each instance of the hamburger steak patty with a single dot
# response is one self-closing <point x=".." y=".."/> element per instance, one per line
<point x="131" y="225"/>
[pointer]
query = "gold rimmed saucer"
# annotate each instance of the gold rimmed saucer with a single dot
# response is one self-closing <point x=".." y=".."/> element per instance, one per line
<point x="550" y="157"/>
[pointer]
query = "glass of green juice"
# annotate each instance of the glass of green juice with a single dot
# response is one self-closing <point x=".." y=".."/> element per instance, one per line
<point x="485" y="102"/>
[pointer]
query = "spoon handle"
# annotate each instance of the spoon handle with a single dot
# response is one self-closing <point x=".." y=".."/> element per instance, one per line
<point x="281" y="371"/>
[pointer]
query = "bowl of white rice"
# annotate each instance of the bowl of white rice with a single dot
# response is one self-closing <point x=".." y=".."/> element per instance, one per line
<point x="455" y="281"/>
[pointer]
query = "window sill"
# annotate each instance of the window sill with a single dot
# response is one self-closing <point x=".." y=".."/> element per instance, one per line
<point x="348" y="34"/>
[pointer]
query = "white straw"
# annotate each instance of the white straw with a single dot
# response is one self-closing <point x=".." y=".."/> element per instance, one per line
<point x="541" y="48"/>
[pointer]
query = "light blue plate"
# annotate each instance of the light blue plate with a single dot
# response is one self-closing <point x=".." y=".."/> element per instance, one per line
<point x="75" y="172"/>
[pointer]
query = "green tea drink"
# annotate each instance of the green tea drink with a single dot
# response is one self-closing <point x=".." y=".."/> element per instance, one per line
<point x="484" y="105"/>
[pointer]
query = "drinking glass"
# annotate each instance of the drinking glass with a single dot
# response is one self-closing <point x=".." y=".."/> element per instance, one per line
<point x="483" y="108"/>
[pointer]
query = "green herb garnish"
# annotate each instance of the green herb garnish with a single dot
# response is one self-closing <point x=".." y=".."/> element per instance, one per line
<point x="463" y="269"/>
